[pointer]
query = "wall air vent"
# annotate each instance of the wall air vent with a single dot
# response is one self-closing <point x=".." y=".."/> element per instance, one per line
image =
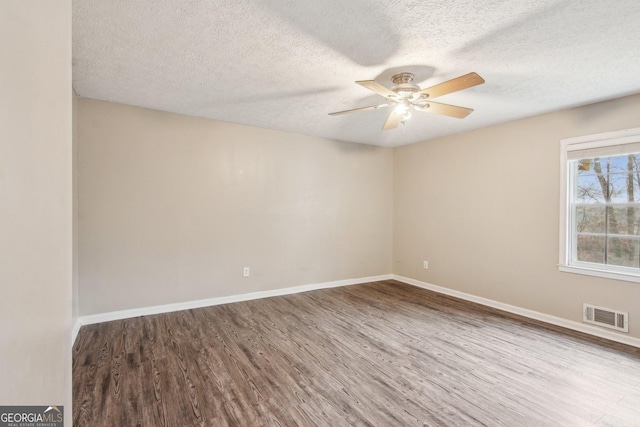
<point x="618" y="320"/>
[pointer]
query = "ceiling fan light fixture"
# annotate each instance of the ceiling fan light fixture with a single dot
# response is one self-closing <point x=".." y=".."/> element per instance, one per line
<point x="404" y="95"/>
<point x="401" y="108"/>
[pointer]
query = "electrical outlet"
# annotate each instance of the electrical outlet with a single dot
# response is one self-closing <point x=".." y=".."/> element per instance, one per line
<point x="245" y="272"/>
<point x="425" y="264"/>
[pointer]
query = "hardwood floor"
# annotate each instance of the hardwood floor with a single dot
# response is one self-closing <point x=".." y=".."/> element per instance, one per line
<point x="378" y="354"/>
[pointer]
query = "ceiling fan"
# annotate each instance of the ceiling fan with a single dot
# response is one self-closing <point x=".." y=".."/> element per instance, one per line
<point x="404" y="95"/>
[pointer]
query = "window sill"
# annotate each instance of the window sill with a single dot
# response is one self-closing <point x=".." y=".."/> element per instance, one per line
<point x="607" y="274"/>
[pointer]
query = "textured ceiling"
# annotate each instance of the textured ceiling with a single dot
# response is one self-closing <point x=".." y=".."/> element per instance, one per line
<point x="285" y="64"/>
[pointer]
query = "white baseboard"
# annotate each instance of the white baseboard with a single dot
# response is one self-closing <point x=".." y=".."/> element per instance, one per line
<point x="167" y="308"/>
<point x="547" y="318"/>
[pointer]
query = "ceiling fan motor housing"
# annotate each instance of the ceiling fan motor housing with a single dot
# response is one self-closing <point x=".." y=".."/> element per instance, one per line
<point x="403" y="86"/>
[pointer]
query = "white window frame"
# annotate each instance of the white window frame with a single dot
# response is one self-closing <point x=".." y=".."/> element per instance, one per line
<point x="607" y="139"/>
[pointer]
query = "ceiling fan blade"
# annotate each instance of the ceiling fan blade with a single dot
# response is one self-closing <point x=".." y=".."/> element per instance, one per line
<point x="445" y="110"/>
<point x="393" y="121"/>
<point x="377" y="88"/>
<point x="453" y="85"/>
<point x="371" y="107"/>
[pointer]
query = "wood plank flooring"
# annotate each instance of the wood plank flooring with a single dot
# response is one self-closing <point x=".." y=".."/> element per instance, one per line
<point x="378" y="354"/>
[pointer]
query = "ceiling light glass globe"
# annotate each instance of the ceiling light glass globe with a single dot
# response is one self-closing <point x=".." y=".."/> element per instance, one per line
<point x="401" y="108"/>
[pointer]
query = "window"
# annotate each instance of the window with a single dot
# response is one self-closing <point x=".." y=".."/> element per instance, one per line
<point x="600" y="205"/>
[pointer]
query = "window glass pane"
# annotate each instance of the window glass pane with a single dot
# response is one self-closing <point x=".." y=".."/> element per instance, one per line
<point x="615" y="179"/>
<point x="624" y="220"/>
<point x="623" y="252"/>
<point x="590" y="219"/>
<point x="590" y="249"/>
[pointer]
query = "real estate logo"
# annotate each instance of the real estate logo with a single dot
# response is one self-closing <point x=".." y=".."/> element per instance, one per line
<point x="32" y="416"/>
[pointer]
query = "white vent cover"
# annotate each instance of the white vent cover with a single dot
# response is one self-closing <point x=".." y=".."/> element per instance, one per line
<point x="618" y="320"/>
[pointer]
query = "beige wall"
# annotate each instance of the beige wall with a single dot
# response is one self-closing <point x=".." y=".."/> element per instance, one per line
<point x="172" y="207"/>
<point x="483" y="208"/>
<point x="35" y="202"/>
